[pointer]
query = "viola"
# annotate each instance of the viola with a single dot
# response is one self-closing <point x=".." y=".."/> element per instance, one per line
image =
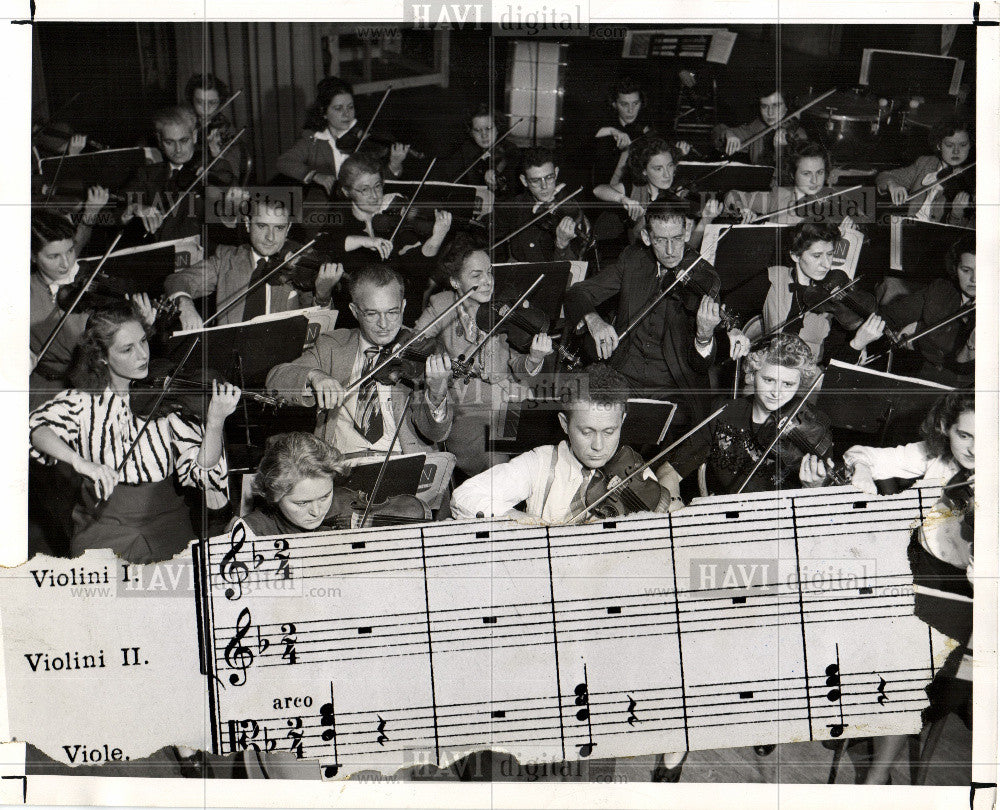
<point x="850" y="307"/>
<point x="349" y="507"/>
<point x="188" y="397"/>
<point x="521" y="326"/>
<point x="638" y="495"/>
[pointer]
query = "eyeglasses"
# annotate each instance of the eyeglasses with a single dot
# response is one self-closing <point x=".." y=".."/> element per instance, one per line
<point x="374" y="315"/>
<point x="665" y="241"/>
<point x="538" y="182"/>
<point x="369" y="191"/>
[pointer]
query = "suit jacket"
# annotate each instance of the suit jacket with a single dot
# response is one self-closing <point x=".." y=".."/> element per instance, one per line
<point x="633" y="279"/>
<point x="50" y="376"/>
<point x="536" y="243"/>
<point x="226" y="273"/>
<point x="153" y="184"/>
<point x="308" y="154"/>
<point x="334" y="354"/>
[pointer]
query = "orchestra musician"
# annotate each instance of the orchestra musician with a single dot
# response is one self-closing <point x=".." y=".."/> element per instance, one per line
<point x="232" y="269"/>
<point x="333" y="134"/>
<point x="793" y="289"/>
<point x="669" y="352"/>
<point x="128" y="503"/>
<point x="361" y="423"/>
<point x="153" y="188"/>
<point x="952" y="202"/>
<point x="729" y="447"/>
<point x="627" y="123"/>
<point x="766" y="150"/>
<point x="562" y="235"/>
<point x="947" y="355"/>
<point x="553" y="480"/>
<point x="495" y="169"/>
<point x="205" y="92"/>
<point x="467" y="267"/>
<point x="649" y="170"/>
<point x="293" y="486"/>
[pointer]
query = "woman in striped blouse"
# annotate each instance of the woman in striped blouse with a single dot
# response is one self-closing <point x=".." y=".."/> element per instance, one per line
<point x="129" y="505"/>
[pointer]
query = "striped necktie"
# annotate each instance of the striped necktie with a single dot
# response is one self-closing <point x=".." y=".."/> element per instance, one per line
<point x="369" y="419"/>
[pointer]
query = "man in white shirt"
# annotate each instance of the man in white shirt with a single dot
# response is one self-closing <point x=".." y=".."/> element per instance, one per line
<point x="553" y="479"/>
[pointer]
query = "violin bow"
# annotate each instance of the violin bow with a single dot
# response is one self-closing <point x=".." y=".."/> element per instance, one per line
<point x="371" y="121"/>
<point x="237" y="297"/>
<point x="413" y="199"/>
<point x="800" y="203"/>
<point x="385" y="460"/>
<point x="225" y="104"/>
<point x="788" y="321"/>
<point x="417" y="335"/>
<point x="76" y="301"/>
<point x="763" y="132"/>
<point x="535" y="219"/>
<point x="203" y="173"/>
<point x="655" y="302"/>
<point x="479" y="346"/>
<point x="943" y="180"/>
<point x="488" y="150"/>
<point x="960" y="314"/>
<point x="642" y="468"/>
<point x="781" y="432"/>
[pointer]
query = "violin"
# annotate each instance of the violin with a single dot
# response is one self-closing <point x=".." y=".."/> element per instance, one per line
<point x="106" y="289"/>
<point x="850" y="307"/>
<point x="959" y="495"/>
<point x="521" y="326"/>
<point x="350" y="506"/>
<point x="584" y="238"/>
<point x="638" y="495"/>
<point x="55" y="136"/>
<point x="349" y="141"/>
<point x="188" y="397"/>
<point x="408" y="366"/>
<point x="805" y="433"/>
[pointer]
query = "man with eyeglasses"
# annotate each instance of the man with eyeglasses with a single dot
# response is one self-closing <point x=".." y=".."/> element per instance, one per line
<point x="363" y="421"/>
<point x="668" y="353"/>
<point x="553" y="237"/>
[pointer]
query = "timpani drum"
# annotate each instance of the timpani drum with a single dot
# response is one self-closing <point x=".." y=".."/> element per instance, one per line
<point x="534" y="90"/>
<point x="845" y="121"/>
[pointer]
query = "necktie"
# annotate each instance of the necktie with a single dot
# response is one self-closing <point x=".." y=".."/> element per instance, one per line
<point x="256" y="302"/>
<point x="579" y="501"/>
<point x="369" y="412"/>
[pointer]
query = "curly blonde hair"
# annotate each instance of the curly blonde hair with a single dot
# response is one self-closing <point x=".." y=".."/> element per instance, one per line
<point x="787" y="351"/>
<point x="290" y="458"/>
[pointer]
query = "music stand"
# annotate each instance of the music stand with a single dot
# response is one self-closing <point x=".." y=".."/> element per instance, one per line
<point x="647" y="421"/>
<point x="923" y="247"/>
<point x="140" y="270"/>
<point x="512" y="279"/>
<point x="458" y="198"/>
<point x="244" y="352"/>
<point x="402" y="476"/>
<point x="742" y="176"/>
<point x="110" y="168"/>
<point x="866" y="401"/>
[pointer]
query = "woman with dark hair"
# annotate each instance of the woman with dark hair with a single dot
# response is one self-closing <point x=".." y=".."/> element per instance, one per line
<point x="128" y="500"/>
<point x="947" y="355"/>
<point x="466" y="265"/>
<point x="648" y="171"/>
<point x="941" y="549"/>
<point x="805" y="176"/>
<point x="952" y="201"/>
<point x="205" y="92"/>
<point x="790" y="295"/>
<point x="333" y="134"/>
<point x="497" y="169"/>
<point x="294" y="485"/>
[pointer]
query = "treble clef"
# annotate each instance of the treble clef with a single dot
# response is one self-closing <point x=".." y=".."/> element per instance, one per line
<point x="238" y="656"/>
<point x="231" y="569"/>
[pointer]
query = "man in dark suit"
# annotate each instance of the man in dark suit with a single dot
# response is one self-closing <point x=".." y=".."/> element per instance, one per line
<point x="232" y="269"/>
<point x="154" y="188"/>
<point x="669" y="352"/>
<point x="362" y="422"/>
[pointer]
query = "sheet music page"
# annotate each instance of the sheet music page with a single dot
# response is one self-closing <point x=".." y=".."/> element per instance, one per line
<point x="361" y="667"/>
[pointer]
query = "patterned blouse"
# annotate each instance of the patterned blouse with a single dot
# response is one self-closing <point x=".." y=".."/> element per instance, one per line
<point x="102" y="428"/>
